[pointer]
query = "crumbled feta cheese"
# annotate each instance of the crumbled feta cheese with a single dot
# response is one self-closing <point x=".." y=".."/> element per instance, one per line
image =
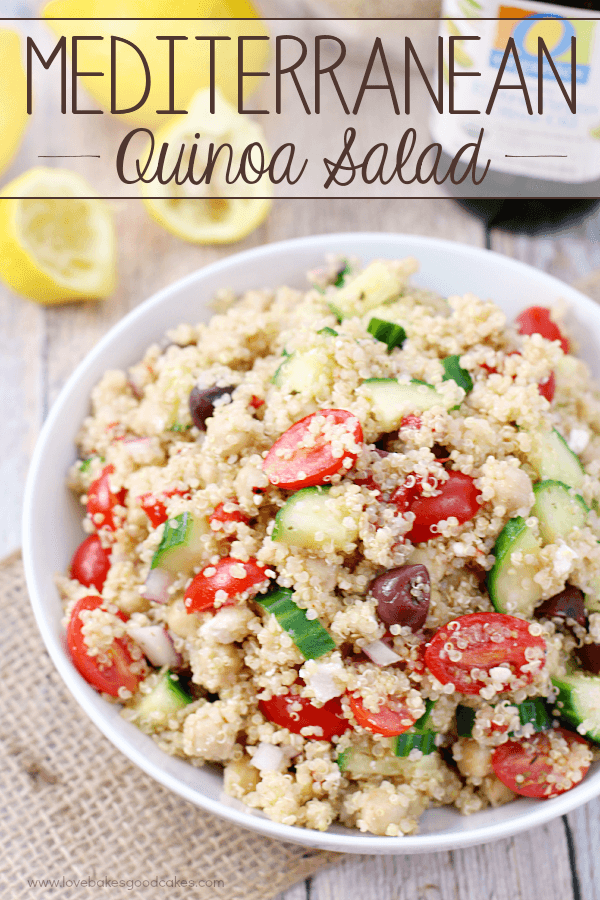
<point x="578" y="439"/>
<point x="319" y="677"/>
<point x="563" y="560"/>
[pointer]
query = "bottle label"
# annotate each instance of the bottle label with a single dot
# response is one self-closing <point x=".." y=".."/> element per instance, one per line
<point x="557" y="145"/>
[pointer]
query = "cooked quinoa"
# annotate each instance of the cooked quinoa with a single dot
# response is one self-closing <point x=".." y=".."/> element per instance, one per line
<point x="151" y="461"/>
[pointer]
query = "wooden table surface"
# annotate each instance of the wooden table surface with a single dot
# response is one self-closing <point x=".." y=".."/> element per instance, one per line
<point x="40" y="346"/>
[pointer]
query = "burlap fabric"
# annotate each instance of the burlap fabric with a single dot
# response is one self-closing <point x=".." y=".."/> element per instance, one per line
<point x="73" y="809"/>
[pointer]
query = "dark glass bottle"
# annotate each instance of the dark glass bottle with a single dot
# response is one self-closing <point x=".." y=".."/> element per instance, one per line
<point x="528" y="202"/>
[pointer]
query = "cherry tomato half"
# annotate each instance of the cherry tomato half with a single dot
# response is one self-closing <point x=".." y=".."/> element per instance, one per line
<point x="393" y="717"/>
<point x="536" y="320"/>
<point x="90" y="563"/>
<point x="220" y="517"/>
<point x="101" y="501"/>
<point x="108" y="678"/>
<point x="457" y="497"/>
<point x="290" y="465"/>
<point x="229" y="576"/>
<point x="547" y="388"/>
<point x="524" y="765"/>
<point x="155" y="508"/>
<point x="294" y="712"/>
<point x="492" y="639"/>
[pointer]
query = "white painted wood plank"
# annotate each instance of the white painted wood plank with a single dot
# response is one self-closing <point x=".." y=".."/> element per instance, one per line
<point x="585" y="828"/>
<point x="534" y="865"/>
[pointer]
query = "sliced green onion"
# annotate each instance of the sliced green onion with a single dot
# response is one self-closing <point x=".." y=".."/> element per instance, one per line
<point x="454" y="372"/>
<point x="534" y="712"/>
<point x="465" y="719"/>
<point x="309" y="636"/>
<point x="343" y="758"/>
<point x="341" y="275"/>
<point x="387" y="332"/>
<point x="179" y="428"/>
<point x="412" y="740"/>
<point x="328" y="330"/>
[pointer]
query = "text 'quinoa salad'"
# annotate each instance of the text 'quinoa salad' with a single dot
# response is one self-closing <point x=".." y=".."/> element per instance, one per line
<point x="345" y="543"/>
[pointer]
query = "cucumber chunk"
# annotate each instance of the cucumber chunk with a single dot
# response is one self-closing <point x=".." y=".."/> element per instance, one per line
<point x="553" y="459"/>
<point x="357" y="764"/>
<point x="387" y="332"/>
<point x="299" y="372"/>
<point x="511" y="586"/>
<point x="167" y="697"/>
<point x="309" y="636"/>
<point x="393" y="400"/>
<point x="181" y="547"/>
<point x="313" y="520"/>
<point x="377" y="284"/>
<point x="578" y="701"/>
<point x="413" y="740"/>
<point x="559" y="511"/>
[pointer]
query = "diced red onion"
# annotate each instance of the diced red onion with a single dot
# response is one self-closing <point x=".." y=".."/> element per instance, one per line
<point x="156" y="644"/>
<point x="157" y="585"/>
<point x="268" y="758"/>
<point x="381" y="654"/>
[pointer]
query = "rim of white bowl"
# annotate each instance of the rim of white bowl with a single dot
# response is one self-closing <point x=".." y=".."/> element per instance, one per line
<point x="539" y="814"/>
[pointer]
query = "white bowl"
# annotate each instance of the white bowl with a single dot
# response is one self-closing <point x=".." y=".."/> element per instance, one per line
<point x="52" y="517"/>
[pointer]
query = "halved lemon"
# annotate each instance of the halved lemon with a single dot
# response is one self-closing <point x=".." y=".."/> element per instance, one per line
<point x="220" y="18"/>
<point x="218" y="212"/>
<point x="13" y="99"/>
<point x="55" y="250"/>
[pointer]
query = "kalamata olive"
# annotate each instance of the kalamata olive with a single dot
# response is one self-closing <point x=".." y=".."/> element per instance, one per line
<point x="568" y="604"/>
<point x="589" y="657"/>
<point x="402" y="596"/>
<point x="202" y="403"/>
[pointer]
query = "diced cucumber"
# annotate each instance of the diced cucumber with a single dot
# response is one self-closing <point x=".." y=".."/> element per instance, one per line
<point x="558" y="509"/>
<point x="312" y="519"/>
<point x="387" y="332"/>
<point x="465" y="719"/>
<point x="167" y="697"/>
<point x="357" y="764"/>
<point x="299" y="372"/>
<point x="393" y="400"/>
<point x="511" y="586"/>
<point x="578" y="701"/>
<point x="553" y="459"/>
<point x="534" y="712"/>
<point x="374" y="286"/>
<point x="309" y="636"/>
<point x="413" y="740"/>
<point x="181" y="547"/>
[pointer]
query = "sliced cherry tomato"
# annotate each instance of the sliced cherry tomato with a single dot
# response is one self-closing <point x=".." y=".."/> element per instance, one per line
<point x="155" y="508"/>
<point x="291" y="465"/>
<point x="220" y="517"/>
<point x="229" y="577"/>
<point x="411" y="421"/>
<point x="525" y="765"/>
<point x="294" y="712"/>
<point x="101" y="501"/>
<point x="104" y="677"/>
<point x="90" y="563"/>
<point x="393" y="717"/>
<point x="457" y="497"/>
<point x="536" y="320"/>
<point x="547" y="388"/>
<point x="256" y="402"/>
<point x="492" y="639"/>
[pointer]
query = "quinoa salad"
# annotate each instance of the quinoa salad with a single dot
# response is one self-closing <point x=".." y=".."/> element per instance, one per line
<point x="344" y="543"/>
